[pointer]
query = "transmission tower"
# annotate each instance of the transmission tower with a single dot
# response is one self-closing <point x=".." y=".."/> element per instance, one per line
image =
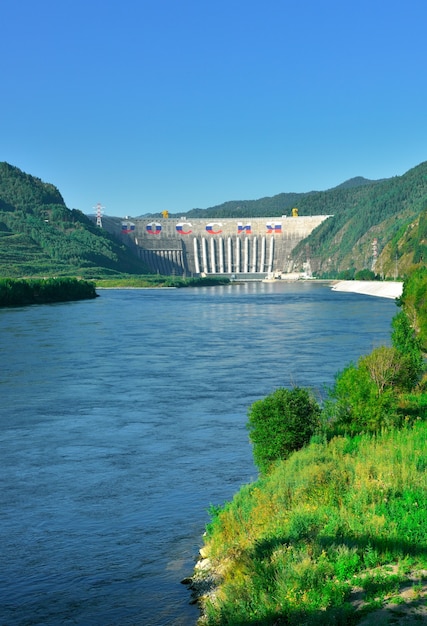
<point x="99" y="209"/>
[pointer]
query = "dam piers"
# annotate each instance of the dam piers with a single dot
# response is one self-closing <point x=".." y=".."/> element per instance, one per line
<point x="244" y="248"/>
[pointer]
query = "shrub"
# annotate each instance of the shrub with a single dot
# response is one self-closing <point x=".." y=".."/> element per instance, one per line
<point x="365" y="275"/>
<point x="407" y="343"/>
<point x="357" y="405"/>
<point x="282" y="422"/>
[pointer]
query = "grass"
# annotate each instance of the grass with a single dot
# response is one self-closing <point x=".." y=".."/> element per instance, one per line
<point x="292" y="547"/>
<point x="155" y="280"/>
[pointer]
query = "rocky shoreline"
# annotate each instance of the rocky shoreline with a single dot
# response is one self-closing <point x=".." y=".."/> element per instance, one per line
<point x="203" y="583"/>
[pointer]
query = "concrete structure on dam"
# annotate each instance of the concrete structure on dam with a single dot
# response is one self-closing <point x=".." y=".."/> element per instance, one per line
<point x="252" y="247"/>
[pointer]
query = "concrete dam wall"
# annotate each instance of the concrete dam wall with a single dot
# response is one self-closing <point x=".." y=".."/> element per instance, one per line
<point x="253" y="246"/>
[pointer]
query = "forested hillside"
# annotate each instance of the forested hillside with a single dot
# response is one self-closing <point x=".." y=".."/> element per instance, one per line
<point x="383" y="212"/>
<point x="310" y="203"/>
<point x="407" y="249"/>
<point x="39" y="235"/>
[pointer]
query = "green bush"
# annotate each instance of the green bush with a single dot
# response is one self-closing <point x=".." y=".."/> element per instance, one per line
<point x="365" y="275"/>
<point x="357" y="406"/>
<point x="414" y="303"/>
<point x="282" y="422"/>
<point x="369" y="396"/>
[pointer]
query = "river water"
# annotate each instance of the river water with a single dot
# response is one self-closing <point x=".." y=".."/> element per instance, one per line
<point x="123" y="418"/>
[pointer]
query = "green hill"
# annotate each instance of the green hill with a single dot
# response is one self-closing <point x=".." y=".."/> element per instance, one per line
<point x="382" y="211"/>
<point x="40" y="236"/>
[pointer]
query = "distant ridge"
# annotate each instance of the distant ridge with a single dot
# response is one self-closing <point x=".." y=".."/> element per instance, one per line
<point x="278" y="205"/>
<point x="357" y="181"/>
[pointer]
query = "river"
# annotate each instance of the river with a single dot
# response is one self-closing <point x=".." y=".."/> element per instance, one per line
<point x="123" y="418"/>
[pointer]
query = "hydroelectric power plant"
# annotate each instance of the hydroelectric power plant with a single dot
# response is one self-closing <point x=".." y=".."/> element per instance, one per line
<point x="240" y="248"/>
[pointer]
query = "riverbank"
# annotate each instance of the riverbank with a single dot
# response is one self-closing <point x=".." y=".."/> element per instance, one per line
<point x="381" y="289"/>
<point x="160" y="282"/>
<point x="338" y="555"/>
<point x="23" y="292"/>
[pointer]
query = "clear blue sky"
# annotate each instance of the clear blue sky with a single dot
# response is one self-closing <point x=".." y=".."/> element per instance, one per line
<point x="146" y="105"/>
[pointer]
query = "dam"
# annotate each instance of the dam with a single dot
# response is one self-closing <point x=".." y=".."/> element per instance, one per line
<point x="240" y="248"/>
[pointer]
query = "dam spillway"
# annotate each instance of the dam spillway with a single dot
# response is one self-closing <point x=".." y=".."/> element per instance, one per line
<point x="177" y="246"/>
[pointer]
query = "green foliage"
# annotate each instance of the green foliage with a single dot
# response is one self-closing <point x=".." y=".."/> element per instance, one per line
<point x="281" y="423"/>
<point x="338" y="512"/>
<point x="358" y="403"/>
<point x="345" y="274"/>
<point x="292" y="545"/>
<point x="414" y="303"/>
<point x="157" y="280"/>
<point x="40" y="236"/>
<point x="373" y="394"/>
<point x="366" y="397"/>
<point x="24" y="192"/>
<point x="311" y="203"/>
<point x="403" y="335"/>
<point x="413" y="406"/>
<point x="409" y="246"/>
<point x="380" y="210"/>
<point x="408" y="345"/>
<point x="202" y="281"/>
<point x="42" y="291"/>
<point x="365" y="275"/>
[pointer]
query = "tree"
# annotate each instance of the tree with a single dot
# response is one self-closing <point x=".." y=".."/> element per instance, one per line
<point x="282" y="422"/>
<point x="356" y="404"/>
<point x="414" y="303"/>
<point x="385" y="366"/>
<point x="366" y="396"/>
<point x="408" y="345"/>
<point x="364" y="275"/>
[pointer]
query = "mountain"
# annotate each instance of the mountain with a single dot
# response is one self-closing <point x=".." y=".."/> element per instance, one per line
<point x="366" y="226"/>
<point x="407" y="249"/>
<point x="271" y="206"/>
<point x="39" y="235"/>
<point x="357" y="181"/>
